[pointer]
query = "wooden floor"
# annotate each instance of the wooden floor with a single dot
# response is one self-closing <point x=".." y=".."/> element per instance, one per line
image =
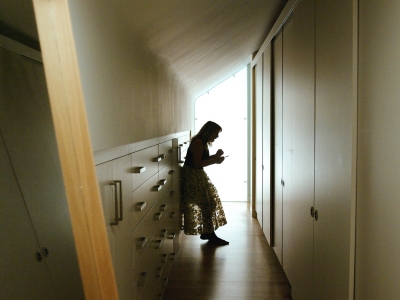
<point x="245" y="269"/>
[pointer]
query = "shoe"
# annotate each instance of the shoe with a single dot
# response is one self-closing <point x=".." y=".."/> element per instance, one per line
<point x="206" y="236"/>
<point x="217" y="241"/>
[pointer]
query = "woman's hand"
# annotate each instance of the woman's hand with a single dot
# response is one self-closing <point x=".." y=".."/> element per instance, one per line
<point x="220" y="152"/>
<point x="219" y="160"/>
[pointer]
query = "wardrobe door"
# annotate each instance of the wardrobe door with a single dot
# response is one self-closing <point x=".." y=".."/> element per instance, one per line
<point x="267" y="225"/>
<point x="28" y="132"/>
<point x="258" y="141"/>
<point x="277" y="140"/>
<point x="23" y="270"/>
<point x="298" y="141"/>
<point x="333" y="148"/>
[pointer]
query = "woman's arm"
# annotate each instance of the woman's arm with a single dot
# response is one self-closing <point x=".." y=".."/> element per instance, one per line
<point x="197" y="148"/>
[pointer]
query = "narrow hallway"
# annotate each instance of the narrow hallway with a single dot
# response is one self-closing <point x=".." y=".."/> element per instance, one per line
<point x="246" y="269"/>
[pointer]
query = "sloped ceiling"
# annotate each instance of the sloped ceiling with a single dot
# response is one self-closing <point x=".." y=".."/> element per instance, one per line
<point x="204" y="41"/>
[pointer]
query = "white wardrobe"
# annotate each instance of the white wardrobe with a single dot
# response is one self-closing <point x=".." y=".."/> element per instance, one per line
<point x="308" y="213"/>
<point x="38" y="258"/>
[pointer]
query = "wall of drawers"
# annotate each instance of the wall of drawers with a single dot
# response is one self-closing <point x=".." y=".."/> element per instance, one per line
<point x="140" y="190"/>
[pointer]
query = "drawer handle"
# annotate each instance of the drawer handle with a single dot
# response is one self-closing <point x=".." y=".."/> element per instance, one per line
<point x="180" y="145"/>
<point x="171" y="172"/>
<point x="158" y="187"/>
<point x="163" y="207"/>
<point x="172" y="256"/>
<point x="139" y="170"/>
<point x="157" y="216"/>
<point x="172" y="215"/>
<point x="142" y="279"/>
<point x="172" y="193"/>
<point x="142" y="243"/>
<point x="165" y="282"/>
<point x="172" y="150"/>
<point x="172" y="236"/>
<point x="118" y="212"/>
<point x="164" y="258"/>
<point x="185" y="142"/>
<point x="162" y="156"/>
<point x="159" y="244"/>
<point x="163" y="181"/>
<point x="157" y="159"/>
<point x="140" y="206"/>
<point x="159" y="271"/>
<point x="163" y="233"/>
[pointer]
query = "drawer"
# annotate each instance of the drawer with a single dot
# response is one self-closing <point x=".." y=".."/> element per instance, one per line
<point x="144" y="271"/>
<point x="144" y="234"/>
<point x="166" y="179"/>
<point x="150" y="290"/>
<point x="165" y="153"/>
<point x="144" y="165"/>
<point x="143" y="199"/>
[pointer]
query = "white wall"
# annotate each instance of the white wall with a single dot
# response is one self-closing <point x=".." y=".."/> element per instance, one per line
<point x="130" y="94"/>
<point x="378" y="188"/>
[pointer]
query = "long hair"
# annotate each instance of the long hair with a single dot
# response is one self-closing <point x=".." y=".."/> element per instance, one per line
<point x="206" y="132"/>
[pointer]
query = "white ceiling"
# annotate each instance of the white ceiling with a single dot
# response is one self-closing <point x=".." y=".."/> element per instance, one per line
<point x="204" y="41"/>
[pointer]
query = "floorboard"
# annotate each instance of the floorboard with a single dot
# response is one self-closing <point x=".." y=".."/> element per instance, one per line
<point x="246" y="269"/>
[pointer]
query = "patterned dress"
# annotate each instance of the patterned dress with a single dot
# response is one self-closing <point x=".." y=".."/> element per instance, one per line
<point x="201" y="205"/>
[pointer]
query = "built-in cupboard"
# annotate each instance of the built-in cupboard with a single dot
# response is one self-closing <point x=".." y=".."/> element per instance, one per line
<point x="38" y="258"/>
<point x="307" y="188"/>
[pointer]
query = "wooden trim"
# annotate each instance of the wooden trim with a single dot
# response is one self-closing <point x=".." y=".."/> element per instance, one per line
<point x="19" y="48"/>
<point x="286" y="12"/>
<point x="74" y="147"/>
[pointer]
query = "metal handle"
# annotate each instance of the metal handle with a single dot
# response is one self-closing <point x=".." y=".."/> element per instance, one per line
<point x="172" y="236"/>
<point x="142" y="279"/>
<point x="163" y="207"/>
<point x="45" y="252"/>
<point x="163" y="181"/>
<point x="158" y="187"/>
<point x="157" y="216"/>
<point x="316" y="215"/>
<point x="159" y="271"/>
<point x="283" y="182"/>
<point x="312" y="211"/>
<point x="172" y="215"/>
<point x="139" y="170"/>
<point x="140" y="206"/>
<point x="38" y="256"/>
<point x="141" y="243"/>
<point x="115" y="222"/>
<point x="159" y="244"/>
<point x="163" y="233"/>
<point x="162" y="156"/>
<point x="164" y="258"/>
<point x="157" y="159"/>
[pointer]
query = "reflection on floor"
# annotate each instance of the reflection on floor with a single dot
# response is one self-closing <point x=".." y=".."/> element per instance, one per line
<point x="246" y="269"/>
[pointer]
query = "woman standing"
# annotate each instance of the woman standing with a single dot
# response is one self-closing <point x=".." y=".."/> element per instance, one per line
<point x="202" y="208"/>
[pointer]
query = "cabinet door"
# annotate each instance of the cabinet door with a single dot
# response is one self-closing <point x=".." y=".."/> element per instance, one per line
<point x="277" y="140"/>
<point x="22" y="276"/>
<point x="298" y="129"/>
<point x="28" y="132"/>
<point x="333" y="148"/>
<point x="267" y="225"/>
<point x="258" y="141"/>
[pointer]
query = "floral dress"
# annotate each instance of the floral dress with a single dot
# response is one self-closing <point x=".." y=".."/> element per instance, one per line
<point x="201" y="205"/>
